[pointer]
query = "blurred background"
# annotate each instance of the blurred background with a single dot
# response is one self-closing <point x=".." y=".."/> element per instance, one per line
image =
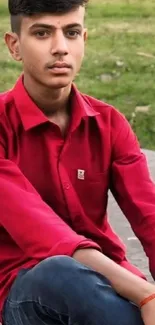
<point x="119" y="65"/>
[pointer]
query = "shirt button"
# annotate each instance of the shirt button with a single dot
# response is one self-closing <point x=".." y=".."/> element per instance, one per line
<point x="66" y="186"/>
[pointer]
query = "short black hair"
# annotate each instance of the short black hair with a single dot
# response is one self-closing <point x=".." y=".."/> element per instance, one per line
<point x="21" y="8"/>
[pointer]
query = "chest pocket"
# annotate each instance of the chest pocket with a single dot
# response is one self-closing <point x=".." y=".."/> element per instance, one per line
<point x="92" y="191"/>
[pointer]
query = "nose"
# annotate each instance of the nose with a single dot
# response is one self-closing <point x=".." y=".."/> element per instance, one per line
<point x="59" y="44"/>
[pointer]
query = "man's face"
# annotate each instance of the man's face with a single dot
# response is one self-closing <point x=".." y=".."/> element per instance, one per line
<point x="51" y="47"/>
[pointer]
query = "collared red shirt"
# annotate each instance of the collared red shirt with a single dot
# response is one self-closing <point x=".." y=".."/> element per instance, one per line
<point x="54" y="191"/>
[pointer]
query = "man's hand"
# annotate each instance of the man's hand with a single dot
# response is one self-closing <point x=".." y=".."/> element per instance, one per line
<point x="124" y="282"/>
<point x="148" y="313"/>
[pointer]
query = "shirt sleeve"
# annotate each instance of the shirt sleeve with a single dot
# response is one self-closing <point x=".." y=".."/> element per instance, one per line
<point x="133" y="188"/>
<point x="32" y="224"/>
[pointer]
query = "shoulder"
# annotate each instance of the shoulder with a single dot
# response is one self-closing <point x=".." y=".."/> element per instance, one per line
<point x="5" y="99"/>
<point x="6" y="116"/>
<point x="106" y="111"/>
<point x="110" y="121"/>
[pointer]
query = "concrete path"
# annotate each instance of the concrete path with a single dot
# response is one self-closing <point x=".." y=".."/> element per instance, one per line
<point x="120" y="224"/>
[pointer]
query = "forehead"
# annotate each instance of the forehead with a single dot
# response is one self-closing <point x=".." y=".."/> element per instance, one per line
<point x="58" y="20"/>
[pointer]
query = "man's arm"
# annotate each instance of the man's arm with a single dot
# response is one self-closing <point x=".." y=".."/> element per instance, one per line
<point x="133" y="188"/>
<point x="33" y="225"/>
<point x="124" y="282"/>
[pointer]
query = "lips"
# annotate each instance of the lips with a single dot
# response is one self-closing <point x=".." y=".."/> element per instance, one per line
<point x="59" y="68"/>
<point x="60" y="65"/>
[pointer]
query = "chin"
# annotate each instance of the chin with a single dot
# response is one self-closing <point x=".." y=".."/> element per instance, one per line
<point x="57" y="83"/>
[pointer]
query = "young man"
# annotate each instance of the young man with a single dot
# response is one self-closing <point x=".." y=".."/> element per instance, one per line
<point x="60" y="152"/>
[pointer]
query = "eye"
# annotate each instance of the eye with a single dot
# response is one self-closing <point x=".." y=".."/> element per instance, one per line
<point x="42" y="34"/>
<point x="73" y="33"/>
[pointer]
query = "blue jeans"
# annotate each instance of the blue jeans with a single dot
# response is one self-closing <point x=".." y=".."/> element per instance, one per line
<point x="59" y="291"/>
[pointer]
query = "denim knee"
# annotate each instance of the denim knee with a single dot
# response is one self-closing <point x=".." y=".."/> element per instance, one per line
<point x="61" y="284"/>
<point x="57" y="269"/>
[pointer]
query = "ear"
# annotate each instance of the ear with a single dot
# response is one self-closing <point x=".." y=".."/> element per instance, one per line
<point x="85" y="35"/>
<point x="12" y="42"/>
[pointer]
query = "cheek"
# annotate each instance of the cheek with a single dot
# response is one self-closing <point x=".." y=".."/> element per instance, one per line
<point x="79" y="52"/>
<point x="33" y="53"/>
<point x="79" y="59"/>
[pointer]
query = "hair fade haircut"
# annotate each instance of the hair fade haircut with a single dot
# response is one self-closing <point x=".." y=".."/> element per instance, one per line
<point x="21" y="8"/>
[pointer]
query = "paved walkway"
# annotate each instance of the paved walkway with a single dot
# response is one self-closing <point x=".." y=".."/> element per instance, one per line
<point x="120" y="224"/>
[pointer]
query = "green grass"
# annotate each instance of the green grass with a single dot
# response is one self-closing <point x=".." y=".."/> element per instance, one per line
<point x="119" y="31"/>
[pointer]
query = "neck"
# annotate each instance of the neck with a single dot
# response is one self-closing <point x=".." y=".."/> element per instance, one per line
<point x="51" y="101"/>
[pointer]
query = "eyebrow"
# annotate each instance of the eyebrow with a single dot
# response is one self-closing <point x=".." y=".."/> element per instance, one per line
<point x="40" y="25"/>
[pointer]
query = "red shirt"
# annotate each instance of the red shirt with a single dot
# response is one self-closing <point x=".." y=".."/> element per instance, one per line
<point x="54" y="191"/>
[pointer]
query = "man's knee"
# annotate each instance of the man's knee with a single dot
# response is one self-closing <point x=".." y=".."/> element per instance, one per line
<point x="53" y="271"/>
<point x="55" y="265"/>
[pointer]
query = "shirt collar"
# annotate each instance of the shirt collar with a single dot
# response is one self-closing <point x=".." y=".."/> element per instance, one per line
<point x="81" y="108"/>
<point x="31" y="116"/>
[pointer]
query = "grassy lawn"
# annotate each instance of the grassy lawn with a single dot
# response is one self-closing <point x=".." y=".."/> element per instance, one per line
<point x="119" y="65"/>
